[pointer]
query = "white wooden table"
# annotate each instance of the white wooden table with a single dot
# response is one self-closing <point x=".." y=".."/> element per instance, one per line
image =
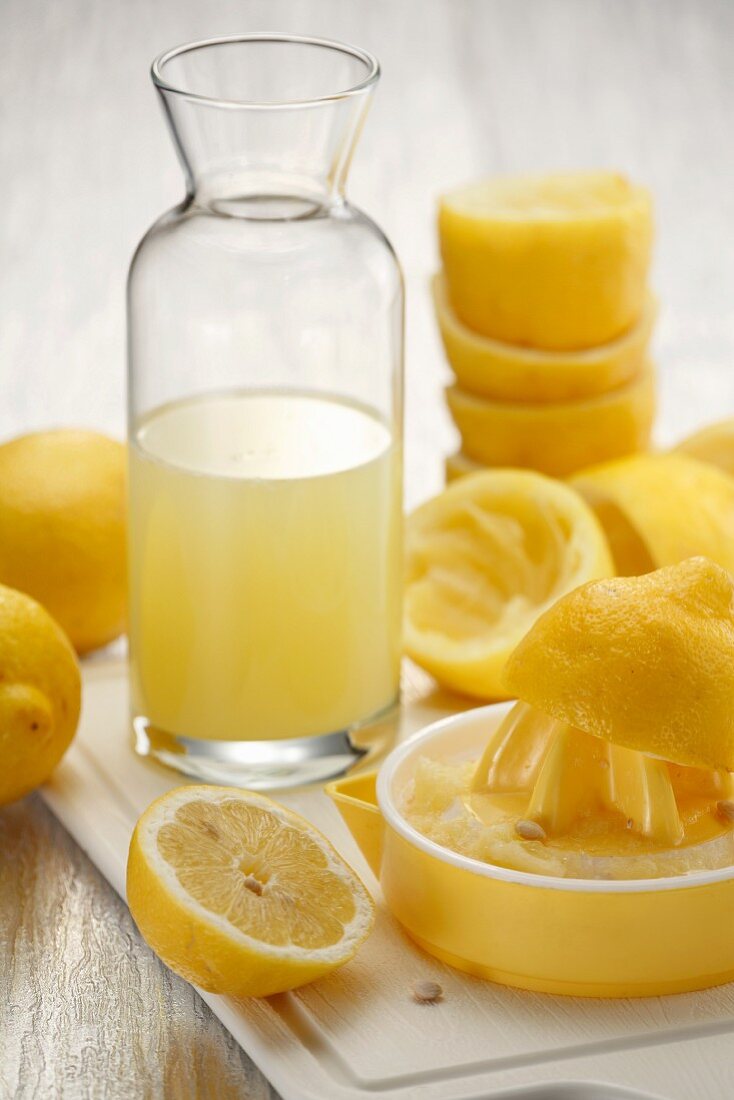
<point x="469" y="87"/>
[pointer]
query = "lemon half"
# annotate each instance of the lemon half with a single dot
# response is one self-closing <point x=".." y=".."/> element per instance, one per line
<point x="485" y="558"/>
<point x="714" y="444"/>
<point x="241" y="896"/>
<point x="505" y="372"/>
<point x="556" y="439"/>
<point x="660" y="509"/>
<point x="645" y="662"/>
<point x="554" y="261"/>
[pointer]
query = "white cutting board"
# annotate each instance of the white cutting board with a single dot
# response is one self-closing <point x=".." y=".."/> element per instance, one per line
<point x="358" y="1034"/>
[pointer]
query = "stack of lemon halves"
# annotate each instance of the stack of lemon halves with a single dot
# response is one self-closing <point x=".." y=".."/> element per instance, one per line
<point x="546" y="317"/>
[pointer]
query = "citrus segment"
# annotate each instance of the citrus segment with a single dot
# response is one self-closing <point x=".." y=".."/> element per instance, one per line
<point x="505" y="372"/>
<point x="557" y="261"/>
<point x="660" y="509"/>
<point x="644" y="662"/>
<point x="40" y="694"/>
<point x="484" y="559"/>
<point x="556" y="439"/>
<point x="240" y="895"/>
<point x="714" y="444"/>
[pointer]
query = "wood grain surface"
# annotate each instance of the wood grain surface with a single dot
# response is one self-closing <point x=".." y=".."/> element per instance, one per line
<point x="469" y="87"/>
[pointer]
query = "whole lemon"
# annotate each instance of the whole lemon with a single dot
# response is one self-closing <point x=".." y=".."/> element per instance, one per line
<point x="62" y="529"/>
<point x="40" y="693"/>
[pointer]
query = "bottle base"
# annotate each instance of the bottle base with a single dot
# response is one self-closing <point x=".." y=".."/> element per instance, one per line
<point x="267" y="765"/>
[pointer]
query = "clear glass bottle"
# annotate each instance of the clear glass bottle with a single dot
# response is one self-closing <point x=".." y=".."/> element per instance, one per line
<point x="265" y="416"/>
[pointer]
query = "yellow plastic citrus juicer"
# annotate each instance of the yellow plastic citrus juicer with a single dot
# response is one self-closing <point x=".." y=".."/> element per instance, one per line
<point x="605" y="810"/>
<point x="644" y="900"/>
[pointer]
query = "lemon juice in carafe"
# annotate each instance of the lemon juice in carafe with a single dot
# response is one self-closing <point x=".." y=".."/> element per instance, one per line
<point x="265" y="599"/>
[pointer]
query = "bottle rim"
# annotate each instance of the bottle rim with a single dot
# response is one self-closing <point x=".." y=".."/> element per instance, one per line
<point x="370" y="62"/>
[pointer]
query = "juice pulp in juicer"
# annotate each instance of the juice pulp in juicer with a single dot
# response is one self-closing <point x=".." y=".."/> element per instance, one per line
<point x="604" y="811"/>
<point x="548" y="771"/>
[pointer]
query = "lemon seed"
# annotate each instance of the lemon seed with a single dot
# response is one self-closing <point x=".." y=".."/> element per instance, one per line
<point x="726" y="809"/>
<point x="254" y="884"/>
<point x="427" y="992"/>
<point x="529" y="830"/>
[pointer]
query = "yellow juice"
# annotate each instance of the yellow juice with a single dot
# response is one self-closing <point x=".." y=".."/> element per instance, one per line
<point x="265" y="566"/>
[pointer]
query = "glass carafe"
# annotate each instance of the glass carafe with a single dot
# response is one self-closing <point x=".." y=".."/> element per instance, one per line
<point x="265" y="409"/>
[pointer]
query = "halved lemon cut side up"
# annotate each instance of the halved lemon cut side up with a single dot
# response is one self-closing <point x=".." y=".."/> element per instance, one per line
<point x="240" y="895"/>
<point x="484" y="559"/>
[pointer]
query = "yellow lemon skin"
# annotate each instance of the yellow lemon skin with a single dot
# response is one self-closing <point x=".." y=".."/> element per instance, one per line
<point x="484" y="559"/>
<point x="199" y="942"/>
<point x="40" y="694"/>
<point x="557" y="261"/>
<point x="556" y="439"/>
<point x="62" y="529"/>
<point x="645" y="662"/>
<point x="505" y="372"/>
<point x="714" y="444"/>
<point x="659" y="509"/>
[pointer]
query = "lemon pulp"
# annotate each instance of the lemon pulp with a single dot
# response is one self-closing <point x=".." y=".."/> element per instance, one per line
<point x="241" y="895"/>
<point x="271" y="882"/>
<point x="484" y="559"/>
<point x="604" y="811"/>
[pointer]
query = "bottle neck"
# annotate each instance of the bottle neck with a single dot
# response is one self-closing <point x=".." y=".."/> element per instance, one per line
<point x="268" y="164"/>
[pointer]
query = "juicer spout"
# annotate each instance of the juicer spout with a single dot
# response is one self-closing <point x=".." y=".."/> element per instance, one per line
<point x="356" y="800"/>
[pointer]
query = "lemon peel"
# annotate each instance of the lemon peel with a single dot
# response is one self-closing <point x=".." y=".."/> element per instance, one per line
<point x="644" y="662"/>
<point x="508" y="372"/>
<point x="557" y="439"/>
<point x="660" y="509"/>
<point x="714" y="444"/>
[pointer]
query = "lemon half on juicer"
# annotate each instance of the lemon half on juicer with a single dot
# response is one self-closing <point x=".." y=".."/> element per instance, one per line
<point x="618" y="757"/>
<point x="484" y="559"/>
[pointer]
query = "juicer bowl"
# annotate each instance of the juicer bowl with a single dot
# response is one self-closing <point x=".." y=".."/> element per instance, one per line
<point x="580" y="937"/>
